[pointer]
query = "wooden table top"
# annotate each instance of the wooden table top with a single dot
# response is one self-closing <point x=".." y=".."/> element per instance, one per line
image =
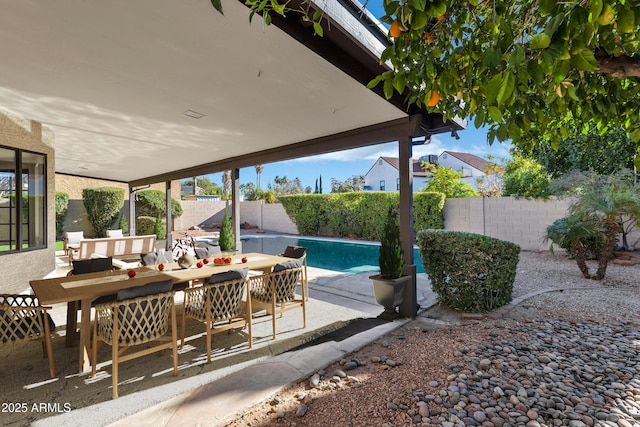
<point x="93" y="285"/>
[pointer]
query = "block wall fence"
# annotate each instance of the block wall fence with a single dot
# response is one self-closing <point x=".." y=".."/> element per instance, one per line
<point x="519" y="221"/>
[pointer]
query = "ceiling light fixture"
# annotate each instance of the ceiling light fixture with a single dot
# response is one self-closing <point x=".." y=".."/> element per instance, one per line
<point x="193" y="114"/>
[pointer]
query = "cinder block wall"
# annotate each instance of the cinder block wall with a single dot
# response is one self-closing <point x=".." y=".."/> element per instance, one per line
<point x="519" y="221"/>
<point x="76" y="219"/>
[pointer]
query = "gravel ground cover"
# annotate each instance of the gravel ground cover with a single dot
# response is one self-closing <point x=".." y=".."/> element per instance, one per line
<point x="567" y="353"/>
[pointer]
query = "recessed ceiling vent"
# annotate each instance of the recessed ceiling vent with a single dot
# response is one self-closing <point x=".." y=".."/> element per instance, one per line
<point x="193" y="114"/>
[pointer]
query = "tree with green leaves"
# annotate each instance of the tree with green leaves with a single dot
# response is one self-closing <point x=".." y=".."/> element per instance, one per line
<point x="446" y="181"/>
<point x="524" y="177"/>
<point x="532" y="71"/>
<point x="355" y="183"/>
<point x="603" y="154"/>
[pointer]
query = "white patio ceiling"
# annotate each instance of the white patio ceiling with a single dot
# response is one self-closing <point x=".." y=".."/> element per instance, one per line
<point x="113" y="80"/>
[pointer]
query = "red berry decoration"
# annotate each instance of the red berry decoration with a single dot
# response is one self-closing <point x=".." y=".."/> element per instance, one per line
<point x="244" y="259"/>
<point x="199" y="264"/>
<point x="160" y="267"/>
<point x="131" y="273"/>
<point x="206" y="260"/>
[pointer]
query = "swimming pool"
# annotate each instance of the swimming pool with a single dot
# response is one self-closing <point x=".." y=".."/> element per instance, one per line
<point x="330" y="254"/>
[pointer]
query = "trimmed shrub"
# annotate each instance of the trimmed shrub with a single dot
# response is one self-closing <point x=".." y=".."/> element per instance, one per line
<point x="159" y="228"/>
<point x="103" y="205"/>
<point x="122" y="223"/>
<point x="146" y="225"/>
<point x="62" y="204"/>
<point x="153" y="203"/>
<point x="358" y="215"/>
<point x="226" y="240"/>
<point x="469" y="272"/>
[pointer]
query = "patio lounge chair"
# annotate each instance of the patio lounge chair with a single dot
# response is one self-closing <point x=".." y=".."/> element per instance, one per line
<point x="222" y="304"/>
<point x="22" y="318"/>
<point x="71" y="241"/>
<point x="275" y="292"/>
<point x="140" y="315"/>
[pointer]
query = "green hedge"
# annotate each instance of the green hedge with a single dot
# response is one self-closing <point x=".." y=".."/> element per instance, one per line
<point x="146" y="225"/>
<point x="62" y="205"/>
<point x="358" y="215"/>
<point x="153" y="203"/>
<point x="469" y="272"/>
<point x="103" y="205"/>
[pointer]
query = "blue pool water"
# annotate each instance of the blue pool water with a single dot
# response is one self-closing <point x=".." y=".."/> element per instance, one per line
<point x="336" y="255"/>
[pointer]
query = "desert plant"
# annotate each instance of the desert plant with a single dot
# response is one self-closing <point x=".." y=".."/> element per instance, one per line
<point x="226" y="241"/>
<point x="103" y="205"/>
<point x="62" y="204"/>
<point x="391" y="258"/>
<point x="469" y="272"/>
<point x="609" y="201"/>
<point x="580" y="237"/>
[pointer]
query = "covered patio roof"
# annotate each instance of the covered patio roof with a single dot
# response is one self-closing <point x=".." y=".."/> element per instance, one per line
<point x="147" y="91"/>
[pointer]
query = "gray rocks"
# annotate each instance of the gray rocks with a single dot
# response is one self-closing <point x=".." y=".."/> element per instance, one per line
<point x="547" y="373"/>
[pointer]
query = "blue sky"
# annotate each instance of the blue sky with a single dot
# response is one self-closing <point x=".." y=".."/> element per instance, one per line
<point x="345" y="164"/>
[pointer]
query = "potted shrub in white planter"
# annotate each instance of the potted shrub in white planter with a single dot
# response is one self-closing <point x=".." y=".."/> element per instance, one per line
<point x="389" y="286"/>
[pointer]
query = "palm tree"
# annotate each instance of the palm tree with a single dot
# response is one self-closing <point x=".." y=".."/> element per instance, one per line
<point x="259" y="169"/>
<point x="609" y="205"/>
<point x="226" y="183"/>
<point x="577" y="235"/>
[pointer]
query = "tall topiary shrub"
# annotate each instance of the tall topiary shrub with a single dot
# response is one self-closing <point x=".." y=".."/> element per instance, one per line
<point x="122" y="223"/>
<point x="103" y="205"/>
<point x="469" y="272"/>
<point x="226" y="241"/>
<point x="159" y="229"/>
<point x="62" y="204"/>
<point x="154" y="203"/>
<point x="391" y="258"/>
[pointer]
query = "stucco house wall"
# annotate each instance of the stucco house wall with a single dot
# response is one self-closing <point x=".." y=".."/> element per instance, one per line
<point x="18" y="268"/>
<point x="469" y="173"/>
<point x="381" y="170"/>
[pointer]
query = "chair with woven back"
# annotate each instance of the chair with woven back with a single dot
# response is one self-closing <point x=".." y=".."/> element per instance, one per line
<point x="299" y="252"/>
<point x="22" y="319"/>
<point x="276" y="292"/>
<point x="222" y="304"/>
<point x="140" y="315"/>
<point x="85" y="266"/>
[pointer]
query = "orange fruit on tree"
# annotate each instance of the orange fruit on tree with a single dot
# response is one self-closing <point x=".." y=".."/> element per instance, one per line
<point x="433" y="98"/>
<point x="395" y="29"/>
<point x="441" y="17"/>
<point x="428" y="37"/>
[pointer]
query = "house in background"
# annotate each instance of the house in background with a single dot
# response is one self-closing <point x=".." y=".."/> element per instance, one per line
<point x="471" y="167"/>
<point x="384" y="175"/>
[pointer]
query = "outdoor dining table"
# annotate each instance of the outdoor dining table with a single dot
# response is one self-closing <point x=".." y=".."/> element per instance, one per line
<point x="88" y="287"/>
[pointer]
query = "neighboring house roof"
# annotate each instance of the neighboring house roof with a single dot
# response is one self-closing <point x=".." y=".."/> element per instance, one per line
<point x="393" y="161"/>
<point x="473" y="161"/>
